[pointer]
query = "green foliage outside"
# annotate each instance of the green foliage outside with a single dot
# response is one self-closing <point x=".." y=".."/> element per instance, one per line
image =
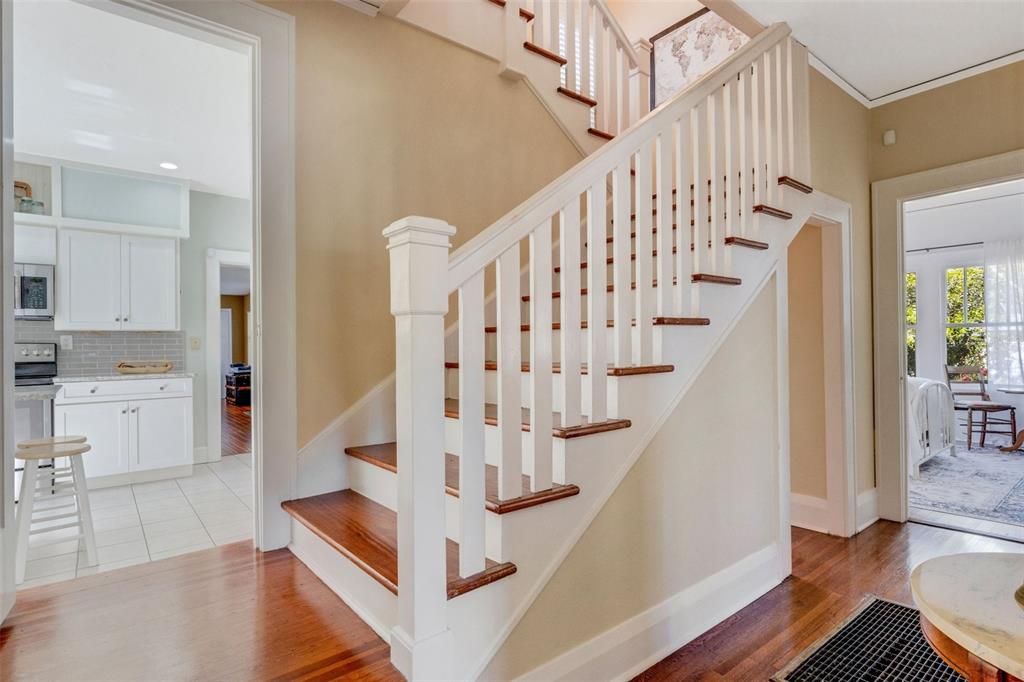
<point x="965" y="304"/>
<point x="911" y="307"/>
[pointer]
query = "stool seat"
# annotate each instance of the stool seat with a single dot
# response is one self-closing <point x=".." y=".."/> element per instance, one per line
<point x="53" y="451"/>
<point x="53" y="440"/>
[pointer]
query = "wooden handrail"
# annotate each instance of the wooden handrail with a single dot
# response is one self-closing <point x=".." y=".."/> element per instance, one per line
<point x="517" y="224"/>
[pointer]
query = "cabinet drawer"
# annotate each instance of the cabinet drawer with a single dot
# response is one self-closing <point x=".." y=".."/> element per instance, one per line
<point x="126" y="388"/>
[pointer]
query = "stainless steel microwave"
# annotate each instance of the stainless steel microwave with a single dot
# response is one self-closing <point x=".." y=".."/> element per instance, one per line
<point x="33" y="291"/>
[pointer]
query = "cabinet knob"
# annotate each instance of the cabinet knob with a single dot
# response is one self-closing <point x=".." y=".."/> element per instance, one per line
<point x="134" y="410"/>
<point x="117" y="319"/>
<point x="163" y="387"/>
<point x="124" y="411"/>
<point x="94" y="389"/>
<point x="125" y="319"/>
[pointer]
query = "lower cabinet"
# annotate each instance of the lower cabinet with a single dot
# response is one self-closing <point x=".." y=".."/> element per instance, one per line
<point x="130" y="436"/>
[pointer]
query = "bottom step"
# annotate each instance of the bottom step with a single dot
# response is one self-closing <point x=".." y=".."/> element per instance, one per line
<point x="367" y="533"/>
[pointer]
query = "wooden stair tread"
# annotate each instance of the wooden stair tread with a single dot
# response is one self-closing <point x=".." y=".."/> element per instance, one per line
<point x="658" y="321"/>
<point x="773" y="212"/>
<point x="795" y="184"/>
<point x="537" y="49"/>
<point x="556" y="368"/>
<point x="385" y="456"/>
<point x="578" y="96"/>
<point x="749" y="243"/>
<point x="587" y="428"/>
<point x="716" y="279"/>
<point x="523" y="13"/>
<point x="583" y="292"/>
<point x="600" y="133"/>
<point x="367" y="533"/>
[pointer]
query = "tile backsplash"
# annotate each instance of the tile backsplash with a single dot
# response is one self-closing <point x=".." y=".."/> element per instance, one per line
<point x="96" y="353"/>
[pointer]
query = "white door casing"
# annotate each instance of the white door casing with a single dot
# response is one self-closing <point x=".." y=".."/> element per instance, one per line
<point x="215" y="259"/>
<point x="7" y="527"/>
<point x="225" y="349"/>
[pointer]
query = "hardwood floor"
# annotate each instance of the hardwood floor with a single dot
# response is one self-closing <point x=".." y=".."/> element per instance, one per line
<point x="830" y="577"/>
<point x="228" y="613"/>
<point x="234" y="614"/>
<point x="235" y="429"/>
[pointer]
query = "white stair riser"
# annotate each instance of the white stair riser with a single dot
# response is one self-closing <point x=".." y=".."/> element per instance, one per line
<point x="381" y="486"/>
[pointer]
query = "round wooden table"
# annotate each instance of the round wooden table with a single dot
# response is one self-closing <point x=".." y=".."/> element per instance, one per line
<point x="969" y="614"/>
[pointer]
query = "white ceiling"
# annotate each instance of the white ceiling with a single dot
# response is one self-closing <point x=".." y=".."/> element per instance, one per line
<point x="884" y="48"/>
<point x="99" y="88"/>
<point x="989" y="213"/>
<point x="234" y="280"/>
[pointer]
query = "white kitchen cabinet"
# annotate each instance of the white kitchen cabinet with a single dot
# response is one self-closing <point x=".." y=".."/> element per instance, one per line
<point x="109" y="282"/>
<point x="137" y="427"/>
<point x="160" y="433"/>
<point x="106" y="427"/>
<point x="149" y="283"/>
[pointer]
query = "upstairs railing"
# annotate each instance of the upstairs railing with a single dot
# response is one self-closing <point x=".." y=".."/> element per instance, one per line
<point x="696" y="171"/>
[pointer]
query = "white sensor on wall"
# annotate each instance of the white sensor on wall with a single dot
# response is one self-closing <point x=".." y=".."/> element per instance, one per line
<point x="167" y="165"/>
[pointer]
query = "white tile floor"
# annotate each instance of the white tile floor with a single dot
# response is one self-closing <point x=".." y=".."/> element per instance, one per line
<point x="150" y="521"/>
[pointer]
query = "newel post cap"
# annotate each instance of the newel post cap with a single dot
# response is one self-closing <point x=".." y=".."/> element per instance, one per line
<point x="427" y="230"/>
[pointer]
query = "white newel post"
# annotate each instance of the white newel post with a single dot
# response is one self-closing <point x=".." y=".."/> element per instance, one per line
<point x="640" y="88"/>
<point x="418" y="247"/>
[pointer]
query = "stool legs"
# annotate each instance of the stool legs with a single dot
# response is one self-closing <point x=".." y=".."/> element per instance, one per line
<point x="26" y="501"/>
<point x="84" y="510"/>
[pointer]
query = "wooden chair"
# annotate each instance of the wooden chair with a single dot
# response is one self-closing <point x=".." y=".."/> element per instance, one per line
<point x="970" y="395"/>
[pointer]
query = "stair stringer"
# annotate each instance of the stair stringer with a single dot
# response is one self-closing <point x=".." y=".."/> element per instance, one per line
<point x="539" y="539"/>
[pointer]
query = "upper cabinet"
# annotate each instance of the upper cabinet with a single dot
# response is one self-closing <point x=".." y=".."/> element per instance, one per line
<point x="110" y="282"/>
<point x="64" y="194"/>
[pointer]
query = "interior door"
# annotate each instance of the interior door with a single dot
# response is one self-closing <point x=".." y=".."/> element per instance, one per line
<point x="88" y="281"/>
<point x="161" y="433"/>
<point x="149" y="283"/>
<point x="7" y="526"/>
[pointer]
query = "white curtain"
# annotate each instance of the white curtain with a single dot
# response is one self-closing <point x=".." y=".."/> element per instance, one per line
<point x="1004" y="312"/>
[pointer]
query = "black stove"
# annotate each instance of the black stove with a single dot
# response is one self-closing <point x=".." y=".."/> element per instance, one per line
<point x="35" y="364"/>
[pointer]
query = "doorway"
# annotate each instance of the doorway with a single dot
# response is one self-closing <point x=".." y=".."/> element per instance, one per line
<point x="236" y="369"/>
<point x="963" y="302"/>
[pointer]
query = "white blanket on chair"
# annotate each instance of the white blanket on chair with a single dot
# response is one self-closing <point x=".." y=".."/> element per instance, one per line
<point x="931" y="419"/>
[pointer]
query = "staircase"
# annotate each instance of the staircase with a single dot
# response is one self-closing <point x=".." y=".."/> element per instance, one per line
<point x="573" y="55"/>
<point x="583" y="316"/>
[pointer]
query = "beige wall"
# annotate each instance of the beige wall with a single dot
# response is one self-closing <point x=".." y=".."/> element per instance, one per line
<point x="806" y="365"/>
<point x="969" y="119"/>
<point x="391" y="121"/>
<point x="238" y="337"/>
<point x="645" y="18"/>
<point x="669" y="525"/>
<point x="840" y="166"/>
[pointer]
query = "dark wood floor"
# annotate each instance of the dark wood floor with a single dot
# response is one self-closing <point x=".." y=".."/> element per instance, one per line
<point x="830" y="577"/>
<point x="233" y="614"/>
<point x="228" y="613"/>
<point x="235" y="429"/>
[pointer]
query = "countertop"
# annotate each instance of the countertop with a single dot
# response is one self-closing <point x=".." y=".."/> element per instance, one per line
<point x="35" y="392"/>
<point x="969" y="598"/>
<point x="124" y="377"/>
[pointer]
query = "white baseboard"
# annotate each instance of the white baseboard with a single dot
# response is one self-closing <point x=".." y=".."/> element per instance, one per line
<point x="808" y="512"/>
<point x="321" y="462"/>
<point x="638" y="643"/>
<point x="201" y="455"/>
<point x="867" y="508"/>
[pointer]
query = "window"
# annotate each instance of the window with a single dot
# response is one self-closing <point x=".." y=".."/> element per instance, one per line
<point x="965" y="316"/>
<point x="911" y="308"/>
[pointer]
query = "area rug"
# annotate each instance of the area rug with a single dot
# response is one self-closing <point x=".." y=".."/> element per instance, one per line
<point x="880" y="642"/>
<point x="982" y="483"/>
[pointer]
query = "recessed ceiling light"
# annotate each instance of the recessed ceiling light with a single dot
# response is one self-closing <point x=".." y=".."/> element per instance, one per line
<point x="167" y="165"/>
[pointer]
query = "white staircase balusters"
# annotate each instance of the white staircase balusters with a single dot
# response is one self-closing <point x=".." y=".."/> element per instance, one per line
<point x="720" y="145"/>
<point x="510" y="469"/>
<point x="471" y="426"/>
<point x="622" y="301"/>
<point x="643" y="270"/>
<point x="570" y="310"/>
<point x="684" y="213"/>
<point x="597" y="247"/>
<point x="541" y="358"/>
<point x="663" y="237"/>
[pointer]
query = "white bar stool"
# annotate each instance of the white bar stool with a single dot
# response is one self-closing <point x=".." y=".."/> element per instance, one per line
<point x="66" y="485"/>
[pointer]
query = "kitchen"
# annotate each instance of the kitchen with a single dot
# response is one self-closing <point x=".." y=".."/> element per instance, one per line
<point x="113" y="229"/>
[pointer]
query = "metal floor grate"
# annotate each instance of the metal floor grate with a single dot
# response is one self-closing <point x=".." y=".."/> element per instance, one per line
<point x="880" y="643"/>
